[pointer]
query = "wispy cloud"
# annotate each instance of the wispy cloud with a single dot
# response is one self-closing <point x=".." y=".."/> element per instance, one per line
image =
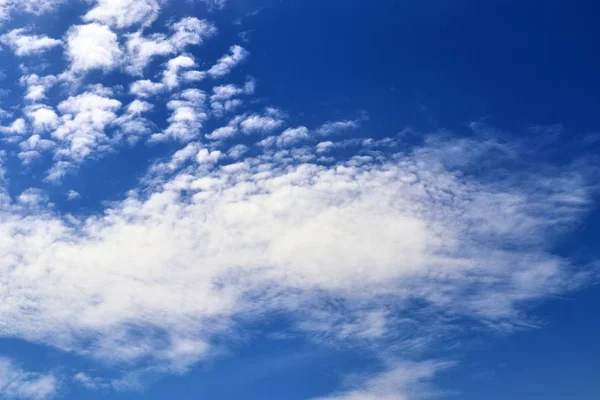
<point x="18" y="384"/>
<point x="400" y="381"/>
<point x="141" y="50"/>
<point x="123" y="13"/>
<point x="228" y="62"/>
<point x="25" y="44"/>
<point x="332" y="128"/>
<point x="425" y="230"/>
<point x="36" y="7"/>
<point x="250" y="212"/>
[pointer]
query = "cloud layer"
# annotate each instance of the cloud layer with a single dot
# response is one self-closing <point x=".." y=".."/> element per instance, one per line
<point x="349" y="234"/>
<point x="17" y="384"/>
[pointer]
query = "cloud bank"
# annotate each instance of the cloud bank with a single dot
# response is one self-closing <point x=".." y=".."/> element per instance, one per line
<point x="347" y="233"/>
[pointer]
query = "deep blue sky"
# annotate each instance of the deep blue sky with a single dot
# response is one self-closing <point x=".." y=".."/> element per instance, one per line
<point x="431" y="65"/>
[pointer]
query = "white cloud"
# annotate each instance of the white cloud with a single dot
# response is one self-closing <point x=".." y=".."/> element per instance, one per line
<point x="187" y="116"/>
<point x="400" y="381"/>
<point x="83" y="122"/>
<point x="73" y="195"/>
<point x="90" y="383"/>
<point x="18" y="384"/>
<point x="191" y="31"/>
<point x="142" y="49"/>
<point x="17" y="127"/>
<point x="205" y="156"/>
<point x="33" y="147"/>
<point x="123" y="13"/>
<point x="146" y="88"/>
<point x="221" y="232"/>
<point x="225" y="92"/>
<point x="226" y="63"/>
<point x="32" y="197"/>
<point x="220" y="108"/>
<point x="171" y="73"/>
<point x="323" y="147"/>
<point x="132" y="124"/>
<point x="35" y="142"/>
<point x="37" y="86"/>
<point x="138" y="107"/>
<point x="332" y="128"/>
<point x="194" y="76"/>
<point x="36" y="7"/>
<point x="42" y="117"/>
<point x="214" y="4"/>
<point x="4" y="114"/>
<point x="25" y="45"/>
<point x="58" y="171"/>
<point x="92" y="46"/>
<point x="28" y="157"/>
<point x="289" y="137"/>
<point x="258" y="123"/>
<point x="237" y="151"/>
<point x="168" y="270"/>
<point x="223" y="132"/>
<point x="221" y="99"/>
<point x="179" y="158"/>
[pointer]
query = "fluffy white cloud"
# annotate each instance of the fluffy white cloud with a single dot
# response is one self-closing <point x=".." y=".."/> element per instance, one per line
<point x="205" y="156"/>
<point x="83" y="122"/>
<point x="187" y="116"/>
<point x="179" y="158"/>
<point x="191" y="31"/>
<point x="225" y="92"/>
<point x="92" y="46"/>
<point x="17" y="127"/>
<point x="167" y="269"/>
<point x="43" y="118"/>
<point x="35" y="142"/>
<point x="24" y="44"/>
<point x="221" y="101"/>
<point x="193" y="76"/>
<point x="226" y="232"/>
<point x="37" y="86"/>
<point x="146" y="88"/>
<point x="143" y="49"/>
<point x="258" y="123"/>
<point x="400" y="381"/>
<point x="247" y="124"/>
<point x="323" y="147"/>
<point x="174" y="66"/>
<point x="32" y="197"/>
<point x="18" y="384"/>
<point x="123" y="13"/>
<point x="28" y="157"/>
<point x="132" y="124"/>
<point x="287" y="138"/>
<point x="223" y="132"/>
<point x="229" y="61"/>
<point x="32" y="147"/>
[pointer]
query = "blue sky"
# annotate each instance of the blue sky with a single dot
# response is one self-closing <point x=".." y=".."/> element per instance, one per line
<point x="304" y="200"/>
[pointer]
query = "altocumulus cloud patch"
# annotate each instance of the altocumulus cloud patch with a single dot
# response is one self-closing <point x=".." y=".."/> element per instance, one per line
<point x="248" y="213"/>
